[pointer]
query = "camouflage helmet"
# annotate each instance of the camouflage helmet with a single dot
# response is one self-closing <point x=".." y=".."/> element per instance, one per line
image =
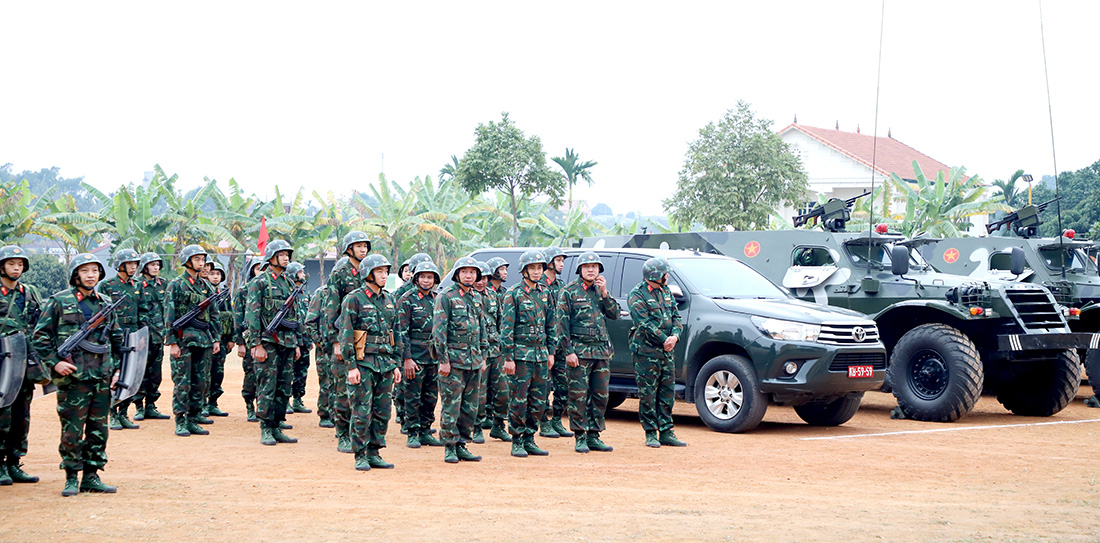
<point x="588" y="257"/>
<point x="353" y="237"/>
<point x="416" y="259"/>
<point x="372" y="262"/>
<point x="402" y="267"/>
<point x="655" y="269"/>
<point x="465" y="262"/>
<point x="426" y="267"/>
<point x="534" y="256"/>
<point x="293" y="268"/>
<point x="123" y="256"/>
<point x="494" y="264"/>
<point x="218" y="268"/>
<point x="274" y="247"/>
<point x="340" y="263"/>
<point x="190" y="251"/>
<point x="250" y="264"/>
<point x="80" y="260"/>
<point x="9" y="252"/>
<point x="149" y="258"/>
<point x="485" y="271"/>
<point x="553" y="252"/>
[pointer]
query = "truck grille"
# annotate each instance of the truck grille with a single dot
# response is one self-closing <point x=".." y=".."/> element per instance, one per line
<point x="1036" y="308"/>
<point x="847" y="333"/>
<point x="843" y="360"/>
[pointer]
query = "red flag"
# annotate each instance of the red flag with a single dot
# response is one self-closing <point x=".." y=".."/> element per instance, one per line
<point x="262" y="243"/>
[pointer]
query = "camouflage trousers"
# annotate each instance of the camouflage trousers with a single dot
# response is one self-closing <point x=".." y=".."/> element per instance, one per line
<point x="324" y="383"/>
<point x="399" y="400"/>
<point x="341" y="397"/>
<point x="15" y="425"/>
<point x="493" y="397"/>
<point x="154" y="372"/>
<point x="656" y="392"/>
<point x="559" y="383"/>
<point x="217" y="375"/>
<point x="370" y="410"/>
<point x="588" y="394"/>
<point x="301" y="371"/>
<point x="191" y="376"/>
<point x="421" y="395"/>
<point x="458" y="394"/>
<point x="273" y="379"/>
<point x="248" y="385"/>
<point x="83" y="407"/>
<point x="528" y="402"/>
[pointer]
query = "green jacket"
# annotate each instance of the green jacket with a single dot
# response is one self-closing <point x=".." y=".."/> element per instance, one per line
<point x="582" y="312"/>
<point x="458" y="333"/>
<point x="414" y="325"/>
<point x="180" y="296"/>
<point x="376" y="316"/>
<point x="655" y="317"/>
<point x="223" y="316"/>
<point x="492" y="320"/>
<point x="301" y="306"/>
<point x="127" y="312"/>
<point x="20" y="309"/>
<point x="313" y="316"/>
<point x="62" y="315"/>
<point x="528" y="325"/>
<point x="342" y="281"/>
<point x="151" y="294"/>
<point x="266" y="294"/>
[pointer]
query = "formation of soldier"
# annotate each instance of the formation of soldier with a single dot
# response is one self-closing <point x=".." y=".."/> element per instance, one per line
<point x="515" y="362"/>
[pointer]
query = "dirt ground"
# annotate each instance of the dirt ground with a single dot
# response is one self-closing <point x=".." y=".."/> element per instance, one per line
<point x="1010" y="480"/>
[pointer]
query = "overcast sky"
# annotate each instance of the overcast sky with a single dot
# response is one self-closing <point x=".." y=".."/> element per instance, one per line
<point x="315" y="93"/>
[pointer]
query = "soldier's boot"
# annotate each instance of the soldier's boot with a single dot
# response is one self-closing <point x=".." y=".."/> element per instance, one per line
<point x="450" y="455"/>
<point x="361" y="462"/>
<point x="517" y="448"/>
<point x="139" y="411"/>
<point x="181" y="427"/>
<point x="477" y="436"/>
<point x="326" y="423"/>
<point x="280" y="437"/>
<point x="299" y="407"/>
<point x="1092" y="402"/>
<point x="5" y="478"/>
<point x="289" y="410"/>
<point x="375" y="460"/>
<point x="124" y="420"/>
<point x="556" y="424"/>
<point x="152" y="413"/>
<point x="465" y="455"/>
<point x="668" y="437"/>
<point x="486" y="423"/>
<point x="250" y="411"/>
<point x="114" y="424"/>
<point x="498" y="432"/>
<point x="201" y="418"/>
<point x="426" y="438"/>
<point x="18" y="475"/>
<point x="546" y="430"/>
<point x="284" y="425"/>
<point x="91" y="483"/>
<point x="413" y="441"/>
<point x="651" y="439"/>
<point x="72" y="483"/>
<point x="582" y="443"/>
<point x="212" y="410"/>
<point x="195" y="429"/>
<point x="343" y="444"/>
<point x="205" y="411"/>
<point x="265" y="435"/>
<point x="596" y="444"/>
<point x="533" y="449"/>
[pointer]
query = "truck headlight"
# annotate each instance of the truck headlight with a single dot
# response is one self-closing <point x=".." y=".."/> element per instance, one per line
<point x="787" y="330"/>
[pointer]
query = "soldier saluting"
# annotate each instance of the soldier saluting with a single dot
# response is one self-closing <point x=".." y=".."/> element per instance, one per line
<point x="151" y="313"/>
<point x="125" y="262"/>
<point x="20" y="307"/>
<point x="192" y="345"/>
<point x="85" y="376"/>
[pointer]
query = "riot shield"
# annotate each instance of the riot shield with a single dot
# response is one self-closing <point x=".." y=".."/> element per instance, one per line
<point x="135" y="351"/>
<point x="13" y="366"/>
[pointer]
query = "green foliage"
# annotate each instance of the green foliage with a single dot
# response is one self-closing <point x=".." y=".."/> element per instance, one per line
<point x="1011" y="194"/>
<point x="735" y="174"/>
<point x="1080" y="192"/>
<point x="47" y="274"/>
<point x="574" y="169"/>
<point x="942" y="208"/>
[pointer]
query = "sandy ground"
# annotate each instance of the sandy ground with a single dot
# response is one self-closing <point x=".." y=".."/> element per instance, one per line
<point x="930" y="482"/>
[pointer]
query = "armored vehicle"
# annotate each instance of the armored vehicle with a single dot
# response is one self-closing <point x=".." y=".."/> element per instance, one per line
<point x="745" y="341"/>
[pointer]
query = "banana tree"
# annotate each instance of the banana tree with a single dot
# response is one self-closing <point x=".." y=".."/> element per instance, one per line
<point x="187" y="222"/>
<point x="941" y="208"/>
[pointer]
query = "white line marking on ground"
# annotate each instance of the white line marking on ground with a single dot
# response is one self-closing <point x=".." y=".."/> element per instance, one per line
<point x="851" y="436"/>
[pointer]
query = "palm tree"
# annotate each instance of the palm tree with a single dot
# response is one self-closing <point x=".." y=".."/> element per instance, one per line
<point x="1008" y="189"/>
<point x="941" y="208"/>
<point x="449" y="170"/>
<point x="572" y="167"/>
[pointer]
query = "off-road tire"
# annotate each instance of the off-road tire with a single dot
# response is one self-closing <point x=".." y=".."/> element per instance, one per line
<point x="832" y="413"/>
<point x="936" y="373"/>
<point x="1041" y="388"/>
<point x="740" y="378"/>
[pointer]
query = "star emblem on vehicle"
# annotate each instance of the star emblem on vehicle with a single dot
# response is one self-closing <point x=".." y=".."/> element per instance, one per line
<point x="951" y="255"/>
<point x="752" y="249"/>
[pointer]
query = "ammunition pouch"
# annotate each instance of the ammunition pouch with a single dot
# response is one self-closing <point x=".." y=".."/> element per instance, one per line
<point x="371" y="344"/>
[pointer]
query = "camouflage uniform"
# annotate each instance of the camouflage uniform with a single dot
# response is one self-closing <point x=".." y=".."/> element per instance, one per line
<point x="653" y="311"/>
<point x="20" y="308"/>
<point x="151" y="291"/>
<point x="301" y="364"/>
<point x="128" y="320"/>
<point x="265" y="297"/>
<point x="344" y="279"/>
<point x="414" y="331"/>
<point x="323" y="354"/>
<point x="493" y="398"/>
<point x="409" y="286"/>
<point x="222" y="314"/>
<point x="559" y="377"/>
<point x="192" y="368"/>
<point x="248" y="384"/>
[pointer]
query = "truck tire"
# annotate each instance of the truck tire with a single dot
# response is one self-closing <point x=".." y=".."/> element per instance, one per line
<point x="1042" y="388"/>
<point x="936" y="373"/>
<point x="832" y="413"/>
<point x="615" y="399"/>
<point x="727" y="394"/>
<point x="1092" y="369"/>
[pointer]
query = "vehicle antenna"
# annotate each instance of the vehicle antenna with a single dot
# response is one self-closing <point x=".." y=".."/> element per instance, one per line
<point x="1053" y="151"/>
<point x="874" y="146"/>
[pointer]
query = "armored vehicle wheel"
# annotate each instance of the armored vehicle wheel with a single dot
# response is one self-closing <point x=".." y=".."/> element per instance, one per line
<point x="615" y="399"/>
<point x="832" y="413"/>
<point x="936" y="373"/>
<point x="728" y="396"/>
<point x="1092" y="369"/>
<point x="1043" y="388"/>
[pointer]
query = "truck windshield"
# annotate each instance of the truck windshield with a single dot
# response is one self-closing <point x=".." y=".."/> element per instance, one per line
<point x="725" y="278"/>
<point x="880" y="255"/>
<point x="1072" y="259"/>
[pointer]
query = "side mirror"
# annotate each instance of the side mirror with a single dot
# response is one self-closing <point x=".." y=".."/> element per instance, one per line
<point x="899" y="260"/>
<point x="677" y="293"/>
<point x="1016" y="261"/>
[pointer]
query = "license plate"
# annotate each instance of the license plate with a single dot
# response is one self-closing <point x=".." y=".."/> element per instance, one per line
<point x="860" y="372"/>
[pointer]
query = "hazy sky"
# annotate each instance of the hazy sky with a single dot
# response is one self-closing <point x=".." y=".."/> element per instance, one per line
<point x="315" y="93"/>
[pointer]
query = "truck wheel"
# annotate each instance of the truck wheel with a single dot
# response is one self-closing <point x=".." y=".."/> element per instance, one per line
<point x="728" y="396"/>
<point x="832" y="413"/>
<point x="1042" y="388"/>
<point x="936" y="373"/>
<point x="615" y="399"/>
<point x="1092" y="369"/>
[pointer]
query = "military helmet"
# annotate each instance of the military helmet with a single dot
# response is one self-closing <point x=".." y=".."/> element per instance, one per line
<point x="353" y="237"/>
<point x="123" y="256"/>
<point x="274" y="247"/>
<point x="80" y="260"/>
<point x="426" y="267"/>
<point x="404" y="265"/>
<point x="534" y="256"/>
<point x="11" y="251"/>
<point x="655" y="269"/>
<point x="340" y="263"/>
<point x="553" y="252"/>
<point x="494" y="264"/>
<point x="465" y="262"/>
<point x="250" y="264"/>
<point x="218" y="268"/>
<point x="588" y="257"/>
<point x="190" y="251"/>
<point x="416" y="259"/>
<point x="371" y="262"/>
<point x="148" y="258"/>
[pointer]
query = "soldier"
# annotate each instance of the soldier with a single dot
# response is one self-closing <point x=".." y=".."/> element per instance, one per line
<point x="191" y="348"/>
<point x="222" y="315"/>
<point x="493" y="396"/>
<point x="459" y="343"/>
<point x="274" y="353"/>
<point x="326" y="397"/>
<point x="20" y="307"/>
<point x="252" y="267"/>
<point x="408" y="286"/>
<point x="414" y="261"/>
<point x="125" y="262"/>
<point x="405" y="272"/>
<point x="559" y="378"/>
<point x="656" y="331"/>
<point x="588" y="350"/>
<point x="367" y="321"/>
<point x="84" y="378"/>
<point x="414" y="332"/>
<point x="297" y="272"/>
<point x="344" y="279"/>
<point x="528" y="332"/>
<point x="151" y="313"/>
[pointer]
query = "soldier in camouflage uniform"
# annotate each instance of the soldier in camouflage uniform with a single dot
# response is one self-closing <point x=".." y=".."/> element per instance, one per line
<point x="313" y="334"/>
<point x="191" y="348"/>
<point x="559" y="378"/>
<point x="368" y="318"/>
<point x="125" y="262"/>
<point x="301" y="364"/>
<point x="459" y="344"/>
<point x="414" y="331"/>
<point x="84" y="380"/>
<point x="408" y="286"/>
<point x="656" y="331"/>
<point x="151" y="313"/>
<point x="252" y="267"/>
<point x="494" y="384"/>
<point x="222" y="314"/>
<point x="20" y="307"/>
<point x="495" y="414"/>
<point x="344" y="279"/>
<point x="528" y="332"/>
<point x="274" y="354"/>
<point x="582" y="307"/>
<point x="405" y="272"/>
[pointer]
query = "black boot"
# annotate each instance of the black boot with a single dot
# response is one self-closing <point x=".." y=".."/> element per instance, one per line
<point x="91" y="483"/>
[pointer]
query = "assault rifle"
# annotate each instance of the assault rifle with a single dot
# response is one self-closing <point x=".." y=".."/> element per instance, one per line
<point x="833" y="214"/>
<point x="1026" y="218"/>
<point x="187" y="318"/>
<point x="79" y="339"/>
<point x="279" y="320"/>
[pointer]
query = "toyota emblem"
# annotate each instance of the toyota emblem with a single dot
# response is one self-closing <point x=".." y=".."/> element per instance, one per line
<point x="859" y="334"/>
